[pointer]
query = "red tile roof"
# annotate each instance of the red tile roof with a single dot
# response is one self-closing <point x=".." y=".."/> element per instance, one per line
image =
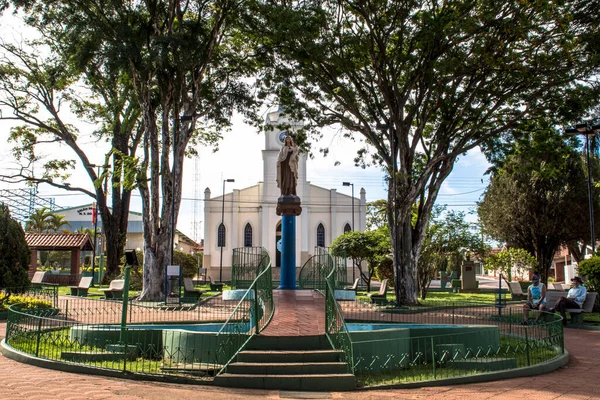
<point x="59" y="241"/>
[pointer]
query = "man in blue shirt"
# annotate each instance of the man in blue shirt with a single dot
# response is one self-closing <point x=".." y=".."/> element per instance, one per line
<point x="575" y="298"/>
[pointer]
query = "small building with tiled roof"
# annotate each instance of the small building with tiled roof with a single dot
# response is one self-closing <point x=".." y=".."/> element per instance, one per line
<point x="73" y="242"/>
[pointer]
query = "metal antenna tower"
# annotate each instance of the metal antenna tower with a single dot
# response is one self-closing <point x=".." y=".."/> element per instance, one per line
<point x="23" y="202"/>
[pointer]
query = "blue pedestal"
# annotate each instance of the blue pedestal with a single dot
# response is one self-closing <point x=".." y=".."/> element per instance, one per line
<point x="287" y="279"/>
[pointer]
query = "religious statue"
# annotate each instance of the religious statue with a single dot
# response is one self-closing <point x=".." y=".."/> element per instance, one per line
<point x="287" y="167"/>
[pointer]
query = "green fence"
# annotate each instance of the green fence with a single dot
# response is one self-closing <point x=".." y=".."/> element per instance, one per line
<point x="193" y="340"/>
<point x="252" y="315"/>
<point x="314" y="272"/>
<point x="35" y="296"/>
<point x="247" y="264"/>
<point x="408" y="344"/>
<point x="335" y="327"/>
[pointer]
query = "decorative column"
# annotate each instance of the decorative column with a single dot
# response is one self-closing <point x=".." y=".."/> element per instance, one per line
<point x="288" y="207"/>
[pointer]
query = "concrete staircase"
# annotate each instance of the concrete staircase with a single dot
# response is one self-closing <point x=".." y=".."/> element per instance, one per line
<point x="302" y="363"/>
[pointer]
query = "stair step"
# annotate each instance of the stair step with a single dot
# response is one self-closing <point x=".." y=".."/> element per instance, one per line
<point x="288" y="356"/>
<point x="315" y="342"/>
<point x="312" y="382"/>
<point x="250" y="368"/>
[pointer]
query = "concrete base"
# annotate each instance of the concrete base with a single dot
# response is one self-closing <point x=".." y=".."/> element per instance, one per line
<point x="237" y="294"/>
<point x="345" y="295"/>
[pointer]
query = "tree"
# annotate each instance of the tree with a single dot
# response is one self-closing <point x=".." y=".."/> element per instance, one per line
<point x="422" y="82"/>
<point x="362" y="248"/>
<point x="56" y="222"/>
<point x="537" y="199"/>
<point x="449" y="238"/>
<point x="185" y="64"/>
<point x="377" y="215"/>
<point x="39" y="221"/>
<point x="590" y="269"/>
<point x="509" y="260"/>
<point x="14" y="252"/>
<point x="36" y="88"/>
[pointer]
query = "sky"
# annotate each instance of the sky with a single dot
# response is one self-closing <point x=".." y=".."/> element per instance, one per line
<point x="239" y="157"/>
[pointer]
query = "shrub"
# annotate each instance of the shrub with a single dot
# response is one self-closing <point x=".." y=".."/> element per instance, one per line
<point x="14" y="252"/>
<point x="30" y="302"/>
<point x="590" y="269"/>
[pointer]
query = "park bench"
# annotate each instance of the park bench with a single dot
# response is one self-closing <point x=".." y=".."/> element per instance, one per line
<point x="114" y="290"/>
<point x="82" y="288"/>
<point x="587" y="307"/>
<point x="218" y="286"/>
<point x="516" y="291"/>
<point x="189" y="291"/>
<point x="381" y="296"/>
<point x="354" y="286"/>
<point x="552" y="297"/>
<point x="560" y="286"/>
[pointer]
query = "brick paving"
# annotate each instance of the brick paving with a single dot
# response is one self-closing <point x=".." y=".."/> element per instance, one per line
<point x="301" y="313"/>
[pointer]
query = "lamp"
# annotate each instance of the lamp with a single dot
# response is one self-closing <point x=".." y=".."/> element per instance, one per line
<point x="222" y="221"/>
<point x="351" y="184"/>
<point x="585" y="129"/>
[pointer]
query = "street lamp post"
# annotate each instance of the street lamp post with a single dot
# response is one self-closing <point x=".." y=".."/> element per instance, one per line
<point x="585" y="129"/>
<point x="351" y="184"/>
<point x="219" y="230"/>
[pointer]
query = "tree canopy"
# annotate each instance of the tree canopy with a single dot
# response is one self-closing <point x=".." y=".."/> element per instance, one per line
<point x="14" y="252"/>
<point x="421" y="83"/>
<point x="183" y="64"/>
<point x="537" y="200"/>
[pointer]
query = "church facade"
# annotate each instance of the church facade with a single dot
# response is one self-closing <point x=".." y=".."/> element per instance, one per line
<point x="247" y="218"/>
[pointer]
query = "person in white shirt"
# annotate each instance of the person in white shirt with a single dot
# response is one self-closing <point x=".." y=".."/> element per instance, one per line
<point x="575" y="298"/>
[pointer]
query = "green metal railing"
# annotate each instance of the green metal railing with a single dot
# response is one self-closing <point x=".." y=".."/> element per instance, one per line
<point x="471" y="338"/>
<point x="247" y="264"/>
<point x="251" y="315"/>
<point x="335" y="327"/>
<point x="314" y="272"/>
<point x="193" y="340"/>
<point x="46" y="295"/>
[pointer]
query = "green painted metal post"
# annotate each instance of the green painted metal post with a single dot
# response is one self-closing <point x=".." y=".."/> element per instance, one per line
<point x="66" y="309"/>
<point x="39" y="337"/>
<point x="527" y="346"/>
<point x="433" y="358"/>
<point x="123" y="336"/>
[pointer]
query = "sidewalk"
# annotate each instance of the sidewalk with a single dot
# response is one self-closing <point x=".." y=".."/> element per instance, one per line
<point x="575" y="381"/>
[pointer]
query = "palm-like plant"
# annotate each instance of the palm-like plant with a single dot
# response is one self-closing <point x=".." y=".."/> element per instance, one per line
<point x="55" y="222"/>
<point x="39" y="221"/>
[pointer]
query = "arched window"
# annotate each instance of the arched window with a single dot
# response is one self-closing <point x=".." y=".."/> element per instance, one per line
<point x="248" y="236"/>
<point x="347" y="228"/>
<point x="321" y="235"/>
<point x="221" y="236"/>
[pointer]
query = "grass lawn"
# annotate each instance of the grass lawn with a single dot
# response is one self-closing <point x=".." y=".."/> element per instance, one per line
<point x="437" y="298"/>
<point x="96" y="292"/>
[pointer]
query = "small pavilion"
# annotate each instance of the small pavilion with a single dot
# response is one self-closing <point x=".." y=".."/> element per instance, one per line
<point x="73" y="242"/>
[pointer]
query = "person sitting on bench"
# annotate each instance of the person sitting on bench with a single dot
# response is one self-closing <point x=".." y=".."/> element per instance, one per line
<point x="536" y="299"/>
<point x="575" y="298"/>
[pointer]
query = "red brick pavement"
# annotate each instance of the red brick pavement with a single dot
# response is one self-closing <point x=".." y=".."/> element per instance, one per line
<point x="297" y="313"/>
<point x="301" y="313"/>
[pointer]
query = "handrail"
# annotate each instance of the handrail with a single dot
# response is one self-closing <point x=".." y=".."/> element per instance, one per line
<point x="315" y="270"/>
<point x="245" y="322"/>
<point x="246" y="265"/>
<point x="335" y="326"/>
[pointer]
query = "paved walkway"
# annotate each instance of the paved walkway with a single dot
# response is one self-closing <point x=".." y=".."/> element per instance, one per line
<point x="300" y="313"/>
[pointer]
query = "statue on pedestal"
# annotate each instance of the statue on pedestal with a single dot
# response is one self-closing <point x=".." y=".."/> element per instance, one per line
<point x="287" y="167"/>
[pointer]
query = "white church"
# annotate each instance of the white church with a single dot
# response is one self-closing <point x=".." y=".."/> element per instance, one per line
<point x="247" y="218"/>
